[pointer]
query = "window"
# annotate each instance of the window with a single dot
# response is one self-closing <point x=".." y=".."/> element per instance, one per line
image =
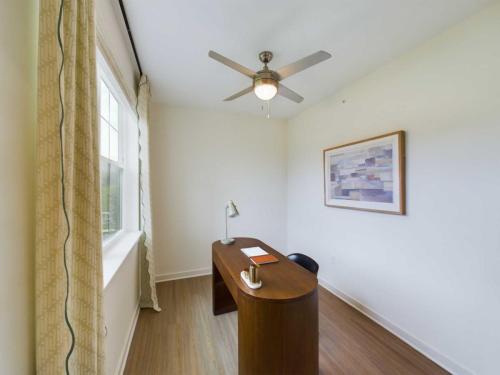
<point x="119" y="150"/>
<point x="111" y="163"/>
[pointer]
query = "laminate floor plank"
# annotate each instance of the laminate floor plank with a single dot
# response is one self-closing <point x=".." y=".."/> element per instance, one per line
<point x="186" y="339"/>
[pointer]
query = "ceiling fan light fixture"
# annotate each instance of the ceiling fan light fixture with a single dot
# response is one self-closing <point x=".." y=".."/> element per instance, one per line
<point x="265" y="88"/>
<point x="266" y="82"/>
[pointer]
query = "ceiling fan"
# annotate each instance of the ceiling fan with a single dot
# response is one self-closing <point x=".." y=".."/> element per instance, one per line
<point x="266" y="82"/>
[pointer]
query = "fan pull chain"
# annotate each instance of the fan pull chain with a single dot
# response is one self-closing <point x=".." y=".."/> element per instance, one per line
<point x="268" y="116"/>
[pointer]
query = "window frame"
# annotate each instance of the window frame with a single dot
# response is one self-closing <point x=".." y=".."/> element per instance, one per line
<point x="121" y="160"/>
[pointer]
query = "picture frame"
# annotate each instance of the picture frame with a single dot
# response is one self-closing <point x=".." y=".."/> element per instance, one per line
<point x="367" y="175"/>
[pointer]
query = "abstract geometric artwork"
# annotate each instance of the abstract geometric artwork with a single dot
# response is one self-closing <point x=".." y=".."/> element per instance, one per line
<point x="367" y="175"/>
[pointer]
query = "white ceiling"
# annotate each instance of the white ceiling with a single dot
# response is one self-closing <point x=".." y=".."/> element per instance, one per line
<point x="173" y="39"/>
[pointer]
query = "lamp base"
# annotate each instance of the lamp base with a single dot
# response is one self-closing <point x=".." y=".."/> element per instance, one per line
<point x="227" y="241"/>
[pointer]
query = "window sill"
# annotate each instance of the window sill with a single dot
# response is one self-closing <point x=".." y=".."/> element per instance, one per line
<point x="115" y="254"/>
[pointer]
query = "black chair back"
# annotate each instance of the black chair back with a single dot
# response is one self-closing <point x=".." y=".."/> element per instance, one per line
<point x="303" y="260"/>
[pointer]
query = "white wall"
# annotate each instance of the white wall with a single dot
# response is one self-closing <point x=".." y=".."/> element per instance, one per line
<point x="17" y="128"/>
<point x="434" y="272"/>
<point x="121" y="302"/>
<point x="199" y="160"/>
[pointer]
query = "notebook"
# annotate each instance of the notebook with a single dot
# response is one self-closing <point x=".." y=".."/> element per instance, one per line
<point x="264" y="259"/>
<point x="259" y="256"/>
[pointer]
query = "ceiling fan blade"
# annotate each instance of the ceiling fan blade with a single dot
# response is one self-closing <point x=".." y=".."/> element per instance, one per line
<point x="230" y="63"/>
<point x="289" y="94"/>
<point x="238" y="94"/>
<point x="302" y="64"/>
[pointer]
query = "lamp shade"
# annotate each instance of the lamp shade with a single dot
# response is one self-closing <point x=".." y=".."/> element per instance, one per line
<point x="232" y="211"/>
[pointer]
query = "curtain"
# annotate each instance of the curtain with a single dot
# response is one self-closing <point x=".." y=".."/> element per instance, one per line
<point x="148" y="282"/>
<point x="69" y="322"/>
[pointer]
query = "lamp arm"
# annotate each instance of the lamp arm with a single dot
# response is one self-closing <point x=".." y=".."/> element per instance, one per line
<point x="225" y="214"/>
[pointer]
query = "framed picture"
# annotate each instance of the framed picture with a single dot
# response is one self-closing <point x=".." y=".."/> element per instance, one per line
<point x="367" y="175"/>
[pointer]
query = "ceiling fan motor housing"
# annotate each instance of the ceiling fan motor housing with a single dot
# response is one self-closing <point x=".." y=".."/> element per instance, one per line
<point x="266" y="76"/>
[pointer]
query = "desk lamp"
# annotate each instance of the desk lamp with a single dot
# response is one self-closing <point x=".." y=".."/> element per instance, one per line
<point x="231" y="211"/>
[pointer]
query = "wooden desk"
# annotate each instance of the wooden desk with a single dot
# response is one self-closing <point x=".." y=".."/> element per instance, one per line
<point x="278" y="323"/>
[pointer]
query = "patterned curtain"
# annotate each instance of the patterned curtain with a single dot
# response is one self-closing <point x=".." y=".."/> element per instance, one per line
<point x="69" y="323"/>
<point x="148" y="283"/>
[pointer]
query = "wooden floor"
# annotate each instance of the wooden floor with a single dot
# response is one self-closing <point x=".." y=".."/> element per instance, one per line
<point x="186" y="339"/>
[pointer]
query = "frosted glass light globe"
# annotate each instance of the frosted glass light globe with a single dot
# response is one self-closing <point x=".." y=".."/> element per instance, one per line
<point x="265" y="89"/>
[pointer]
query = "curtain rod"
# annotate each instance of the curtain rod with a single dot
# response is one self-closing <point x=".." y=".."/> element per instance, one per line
<point x="131" y="38"/>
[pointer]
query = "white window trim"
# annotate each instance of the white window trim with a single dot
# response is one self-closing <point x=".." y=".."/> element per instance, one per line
<point x="116" y="253"/>
<point x="112" y="240"/>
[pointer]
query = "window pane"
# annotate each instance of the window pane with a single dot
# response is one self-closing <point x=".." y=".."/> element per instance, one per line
<point x="113" y="144"/>
<point x="110" y="199"/>
<point x="104" y="101"/>
<point x="113" y="112"/>
<point x="104" y="139"/>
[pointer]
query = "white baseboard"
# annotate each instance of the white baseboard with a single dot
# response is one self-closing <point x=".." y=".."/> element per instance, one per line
<point x="415" y="343"/>
<point x="123" y="358"/>
<point x="183" y="274"/>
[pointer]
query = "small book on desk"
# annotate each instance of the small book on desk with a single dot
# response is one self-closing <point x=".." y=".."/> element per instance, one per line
<point x="259" y="256"/>
<point x="264" y="259"/>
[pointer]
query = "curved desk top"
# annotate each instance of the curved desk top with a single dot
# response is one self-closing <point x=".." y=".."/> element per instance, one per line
<point x="282" y="281"/>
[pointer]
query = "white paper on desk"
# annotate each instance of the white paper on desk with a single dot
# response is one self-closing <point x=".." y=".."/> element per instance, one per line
<point x="253" y="251"/>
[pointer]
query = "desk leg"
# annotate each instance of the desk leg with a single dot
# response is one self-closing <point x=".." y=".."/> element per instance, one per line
<point x="222" y="300"/>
